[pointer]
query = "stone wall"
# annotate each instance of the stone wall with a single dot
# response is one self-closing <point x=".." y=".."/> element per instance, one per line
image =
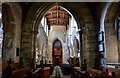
<point x="12" y="30"/>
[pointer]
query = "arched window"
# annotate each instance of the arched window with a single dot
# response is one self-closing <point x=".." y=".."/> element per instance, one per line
<point x="118" y="27"/>
<point x="57" y="47"/>
<point x="57" y="44"/>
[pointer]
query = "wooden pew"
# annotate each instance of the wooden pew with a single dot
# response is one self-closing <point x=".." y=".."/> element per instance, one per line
<point x="117" y="71"/>
<point x="17" y="66"/>
<point x="38" y="73"/>
<point x="9" y="67"/>
<point x="4" y="66"/>
<point x="24" y="72"/>
<point x="94" y="72"/>
<point x="98" y="72"/>
<point x="42" y="72"/>
<point x="21" y="73"/>
<point x="75" y="73"/>
<point x="13" y="68"/>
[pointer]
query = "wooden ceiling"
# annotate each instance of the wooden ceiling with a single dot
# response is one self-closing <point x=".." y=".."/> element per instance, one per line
<point x="57" y="16"/>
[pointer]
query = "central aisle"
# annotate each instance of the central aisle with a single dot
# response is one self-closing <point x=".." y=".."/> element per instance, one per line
<point x="57" y="73"/>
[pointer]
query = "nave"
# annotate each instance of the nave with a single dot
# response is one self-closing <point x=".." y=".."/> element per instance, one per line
<point x="37" y="36"/>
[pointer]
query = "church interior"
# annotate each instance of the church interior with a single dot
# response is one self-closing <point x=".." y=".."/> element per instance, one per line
<point x="60" y="40"/>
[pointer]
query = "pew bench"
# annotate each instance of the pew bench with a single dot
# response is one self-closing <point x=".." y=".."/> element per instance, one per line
<point x="38" y="73"/>
<point x="21" y="73"/>
<point x="16" y="66"/>
<point x="42" y="72"/>
<point x="98" y="72"/>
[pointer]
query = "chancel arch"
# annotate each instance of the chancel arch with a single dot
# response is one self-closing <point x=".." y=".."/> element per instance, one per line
<point x="35" y="16"/>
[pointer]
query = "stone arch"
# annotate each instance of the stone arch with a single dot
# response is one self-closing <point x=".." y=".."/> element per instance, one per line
<point x="11" y="28"/>
<point x="81" y="14"/>
<point x="110" y="11"/>
<point x="58" y="39"/>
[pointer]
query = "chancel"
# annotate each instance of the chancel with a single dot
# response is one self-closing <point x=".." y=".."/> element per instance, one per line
<point x="60" y="39"/>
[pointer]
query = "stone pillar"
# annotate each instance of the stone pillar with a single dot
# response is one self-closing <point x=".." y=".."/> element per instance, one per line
<point x="90" y="43"/>
<point x="26" y="46"/>
<point x="34" y="44"/>
<point x="65" y="53"/>
<point x="111" y="42"/>
<point x="17" y="35"/>
<point x="50" y="53"/>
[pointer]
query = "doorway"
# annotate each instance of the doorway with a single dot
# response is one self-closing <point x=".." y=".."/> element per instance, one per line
<point x="57" y="61"/>
<point x="57" y="52"/>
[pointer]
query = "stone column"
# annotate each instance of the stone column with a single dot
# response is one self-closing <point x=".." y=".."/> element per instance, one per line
<point x="90" y="42"/>
<point x="26" y="45"/>
<point x="111" y="42"/>
<point x="50" y="52"/>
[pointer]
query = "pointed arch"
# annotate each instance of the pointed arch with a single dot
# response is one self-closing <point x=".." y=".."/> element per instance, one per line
<point x="82" y="16"/>
<point x="107" y="25"/>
